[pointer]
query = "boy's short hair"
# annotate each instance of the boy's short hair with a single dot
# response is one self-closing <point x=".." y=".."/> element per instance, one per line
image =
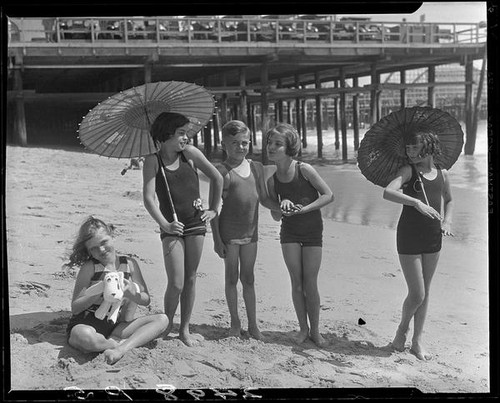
<point x="234" y="127"/>
<point x="166" y="124"/>
<point x="292" y="137"/>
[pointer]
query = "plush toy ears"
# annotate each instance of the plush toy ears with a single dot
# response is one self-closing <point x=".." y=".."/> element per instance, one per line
<point x="120" y="279"/>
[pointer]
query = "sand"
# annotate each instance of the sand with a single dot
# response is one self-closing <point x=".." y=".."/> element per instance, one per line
<point x="50" y="192"/>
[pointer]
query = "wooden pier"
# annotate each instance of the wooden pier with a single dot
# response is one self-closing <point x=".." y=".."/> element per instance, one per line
<point x="251" y="65"/>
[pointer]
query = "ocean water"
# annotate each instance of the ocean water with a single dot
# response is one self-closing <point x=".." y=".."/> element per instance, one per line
<point x="358" y="201"/>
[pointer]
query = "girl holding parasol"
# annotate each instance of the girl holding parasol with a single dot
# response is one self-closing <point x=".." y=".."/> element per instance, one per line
<point x="419" y="186"/>
<point x="171" y="175"/>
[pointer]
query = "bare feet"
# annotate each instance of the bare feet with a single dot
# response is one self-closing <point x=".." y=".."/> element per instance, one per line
<point x="255" y="333"/>
<point x="398" y="343"/>
<point x="113" y="355"/>
<point x="169" y="328"/>
<point x="234" y="331"/>
<point x="302" y="336"/>
<point x="319" y="340"/>
<point x="188" y="339"/>
<point x="417" y="350"/>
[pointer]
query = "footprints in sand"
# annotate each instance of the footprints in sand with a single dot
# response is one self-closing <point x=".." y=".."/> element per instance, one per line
<point x="33" y="288"/>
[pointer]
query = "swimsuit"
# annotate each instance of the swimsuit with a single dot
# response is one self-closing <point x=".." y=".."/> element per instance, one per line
<point x="238" y="220"/>
<point x="185" y="191"/>
<point x="306" y="229"/>
<point x="87" y="317"/>
<point x="415" y="232"/>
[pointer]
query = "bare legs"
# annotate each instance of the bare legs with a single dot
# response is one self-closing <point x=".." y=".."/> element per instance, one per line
<point x="418" y="271"/>
<point x="131" y="334"/>
<point x="303" y="263"/>
<point x="239" y="265"/>
<point x="182" y="257"/>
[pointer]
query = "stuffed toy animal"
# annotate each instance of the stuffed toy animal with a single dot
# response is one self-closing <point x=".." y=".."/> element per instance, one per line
<point x="112" y="286"/>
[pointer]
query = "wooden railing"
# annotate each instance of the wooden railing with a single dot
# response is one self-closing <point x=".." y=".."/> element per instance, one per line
<point x="226" y="30"/>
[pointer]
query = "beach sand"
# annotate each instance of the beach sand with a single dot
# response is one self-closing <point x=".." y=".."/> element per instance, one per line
<point x="51" y="191"/>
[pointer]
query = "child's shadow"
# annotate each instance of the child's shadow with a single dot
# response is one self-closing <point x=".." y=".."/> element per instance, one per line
<point x="334" y="345"/>
<point x="48" y="327"/>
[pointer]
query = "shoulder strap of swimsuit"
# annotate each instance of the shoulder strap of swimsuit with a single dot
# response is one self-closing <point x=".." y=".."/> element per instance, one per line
<point x="124" y="261"/>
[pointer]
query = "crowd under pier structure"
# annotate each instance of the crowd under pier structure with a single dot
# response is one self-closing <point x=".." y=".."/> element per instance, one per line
<point x="253" y="66"/>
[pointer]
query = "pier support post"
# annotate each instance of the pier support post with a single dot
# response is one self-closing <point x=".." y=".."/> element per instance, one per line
<point x="468" y="102"/>
<point x="264" y="81"/>
<point x="319" y="126"/>
<point x="431" y="79"/>
<point x="343" y="120"/>
<point x="470" y="143"/>
<point x="20" y="118"/>
<point x="355" y="114"/>
<point x="243" y="116"/>
<point x="336" y="118"/>
<point x="298" y="124"/>
<point x="402" y="92"/>
<point x="374" y="107"/>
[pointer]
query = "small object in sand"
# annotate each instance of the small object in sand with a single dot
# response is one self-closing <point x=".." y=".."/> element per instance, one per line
<point x="361" y="322"/>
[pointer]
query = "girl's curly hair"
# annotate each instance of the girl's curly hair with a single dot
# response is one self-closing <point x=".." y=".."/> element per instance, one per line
<point x="79" y="253"/>
<point x="431" y="144"/>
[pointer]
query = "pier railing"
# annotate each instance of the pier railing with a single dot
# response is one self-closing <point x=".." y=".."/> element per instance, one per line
<point x="220" y="31"/>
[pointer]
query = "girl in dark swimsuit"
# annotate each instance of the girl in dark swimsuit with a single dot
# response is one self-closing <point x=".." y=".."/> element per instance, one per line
<point x="182" y="234"/>
<point x="301" y="193"/>
<point x="419" y="230"/>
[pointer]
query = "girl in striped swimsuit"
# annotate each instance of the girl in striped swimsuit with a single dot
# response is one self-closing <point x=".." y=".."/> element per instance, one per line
<point x="94" y="252"/>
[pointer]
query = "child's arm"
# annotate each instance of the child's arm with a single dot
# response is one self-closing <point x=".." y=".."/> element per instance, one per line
<point x="80" y="301"/>
<point x="325" y="193"/>
<point x="216" y="182"/>
<point x="149" y="170"/>
<point x="141" y="297"/>
<point x="219" y="246"/>
<point x="393" y="193"/>
<point x="448" y="205"/>
<point x="275" y="213"/>
<point x="262" y="189"/>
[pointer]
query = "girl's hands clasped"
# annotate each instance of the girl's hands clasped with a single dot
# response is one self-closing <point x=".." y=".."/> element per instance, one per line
<point x="288" y="208"/>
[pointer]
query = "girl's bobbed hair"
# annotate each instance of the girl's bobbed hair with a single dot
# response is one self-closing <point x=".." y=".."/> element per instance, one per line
<point x="430" y="142"/>
<point x="166" y="124"/>
<point x="79" y="253"/>
<point x="291" y="135"/>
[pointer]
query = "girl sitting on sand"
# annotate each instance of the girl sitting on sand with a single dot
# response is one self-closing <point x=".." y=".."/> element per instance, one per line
<point x="419" y="231"/>
<point x="183" y="236"/>
<point x="94" y="252"/>
<point x="301" y="193"/>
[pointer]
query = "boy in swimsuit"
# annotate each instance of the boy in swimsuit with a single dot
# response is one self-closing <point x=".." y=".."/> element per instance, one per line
<point x="235" y="231"/>
<point x="419" y="231"/>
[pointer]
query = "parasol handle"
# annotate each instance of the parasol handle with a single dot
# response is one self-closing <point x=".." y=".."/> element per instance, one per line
<point x="423" y="188"/>
<point x="174" y="214"/>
